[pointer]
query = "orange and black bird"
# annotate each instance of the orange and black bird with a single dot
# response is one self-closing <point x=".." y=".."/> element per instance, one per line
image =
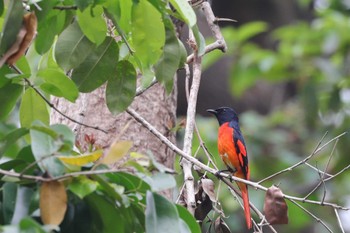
<point x="233" y="151"/>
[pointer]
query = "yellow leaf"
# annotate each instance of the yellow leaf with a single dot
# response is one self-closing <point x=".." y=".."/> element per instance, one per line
<point x="53" y="202"/>
<point x="81" y="160"/>
<point x="117" y="151"/>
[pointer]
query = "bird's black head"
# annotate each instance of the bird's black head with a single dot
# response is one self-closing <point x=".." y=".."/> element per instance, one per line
<point x="224" y="114"/>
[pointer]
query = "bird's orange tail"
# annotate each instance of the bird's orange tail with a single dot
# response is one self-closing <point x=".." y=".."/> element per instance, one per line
<point x="245" y="197"/>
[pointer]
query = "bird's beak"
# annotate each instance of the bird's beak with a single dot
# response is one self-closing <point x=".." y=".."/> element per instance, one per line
<point x="212" y="111"/>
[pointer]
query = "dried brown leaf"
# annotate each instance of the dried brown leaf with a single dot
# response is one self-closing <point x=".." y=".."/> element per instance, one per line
<point x="204" y="203"/>
<point x="53" y="202"/>
<point x="275" y="207"/>
<point x="30" y="23"/>
<point x="209" y="188"/>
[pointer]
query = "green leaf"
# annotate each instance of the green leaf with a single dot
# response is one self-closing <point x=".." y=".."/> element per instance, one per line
<point x="28" y="225"/>
<point x="9" y="95"/>
<point x="1" y="7"/>
<point x="81" y="160"/>
<point x="23" y="201"/>
<point x="161" y="214"/>
<point x="92" y="24"/>
<point x="189" y="219"/>
<point x="9" y="194"/>
<point x="121" y="87"/>
<point x="185" y="10"/>
<point x="58" y="84"/>
<point x="44" y="146"/>
<point x="104" y="215"/>
<point x="250" y="30"/>
<point x="199" y="40"/>
<point x="32" y="108"/>
<point x="148" y="33"/>
<point x="12" y="25"/>
<point x="48" y="29"/>
<point x="72" y="47"/>
<point x="11" y="138"/>
<point x="82" y="186"/>
<point x="170" y="59"/>
<point x="130" y="182"/>
<point x="66" y="135"/>
<point x="162" y="181"/>
<point x="98" y="67"/>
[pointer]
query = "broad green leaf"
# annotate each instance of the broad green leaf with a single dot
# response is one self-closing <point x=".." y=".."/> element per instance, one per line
<point x="5" y="71"/>
<point x="170" y="58"/>
<point x="161" y="214"/>
<point x="72" y="47"/>
<point x="9" y="95"/>
<point x="92" y="24"/>
<point x="9" y="193"/>
<point x="110" y="189"/>
<point x="199" y="40"/>
<point x="48" y="29"/>
<point x="12" y="25"/>
<point x="44" y="146"/>
<point x="130" y="182"/>
<point x="185" y="10"/>
<point x="148" y="33"/>
<point x="162" y="181"/>
<point x="28" y="225"/>
<point x="11" y="138"/>
<point x="32" y="108"/>
<point x="106" y="217"/>
<point x="82" y="186"/>
<point x="98" y="67"/>
<point x="53" y="202"/>
<point x="81" y="160"/>
<point x="121" y="87"/>
<point x="117" y="151"/>
<point x="23" y="201"/>
<point x="58" y="84"/>
<point x="189" y="219"/>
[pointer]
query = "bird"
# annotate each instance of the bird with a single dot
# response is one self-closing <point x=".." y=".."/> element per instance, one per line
<point x="233" y="151"/>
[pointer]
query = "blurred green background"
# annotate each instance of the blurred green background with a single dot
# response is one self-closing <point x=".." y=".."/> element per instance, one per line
<point x="287" y="72"/>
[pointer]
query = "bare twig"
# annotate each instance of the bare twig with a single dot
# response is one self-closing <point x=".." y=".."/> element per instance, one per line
<point x="312" y="215"/>
<point x="339" y="221"/>
<point x="190" y="121"/>
<point x="140" y="90"/>
<point x="316" y="150"/>
<point x="62" y="8"/>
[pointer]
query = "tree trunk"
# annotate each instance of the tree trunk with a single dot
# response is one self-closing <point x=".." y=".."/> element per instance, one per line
<point x="154" y="105"/>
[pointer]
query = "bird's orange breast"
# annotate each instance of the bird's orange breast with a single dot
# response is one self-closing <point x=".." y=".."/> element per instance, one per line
<point x="227" y="148"/>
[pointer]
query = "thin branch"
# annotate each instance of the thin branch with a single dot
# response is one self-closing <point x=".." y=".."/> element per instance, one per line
<point x="322" y="175"/>
<point x="339" y="220"/>
<point x="64" y="8"/>
<point x="312" y="215"/>
<point x="61" y="113"/>
<point x="190" y="121"/>
<point x="213" y="46"/>
<point x="316" y="150"/>
<point x="140" y="90"/>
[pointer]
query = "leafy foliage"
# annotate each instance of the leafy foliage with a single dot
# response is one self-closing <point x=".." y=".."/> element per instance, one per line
<point x="77" y="50"/>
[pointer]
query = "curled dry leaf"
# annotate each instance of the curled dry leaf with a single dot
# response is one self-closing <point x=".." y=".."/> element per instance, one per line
<point x="53" y="202"/>
<point x="24" y="38"/>
<point x="205" y="197"/>
<point x="275" y="207"/>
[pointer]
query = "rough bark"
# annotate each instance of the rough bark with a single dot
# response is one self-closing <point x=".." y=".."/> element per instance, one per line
<point x="154" y="105"/>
